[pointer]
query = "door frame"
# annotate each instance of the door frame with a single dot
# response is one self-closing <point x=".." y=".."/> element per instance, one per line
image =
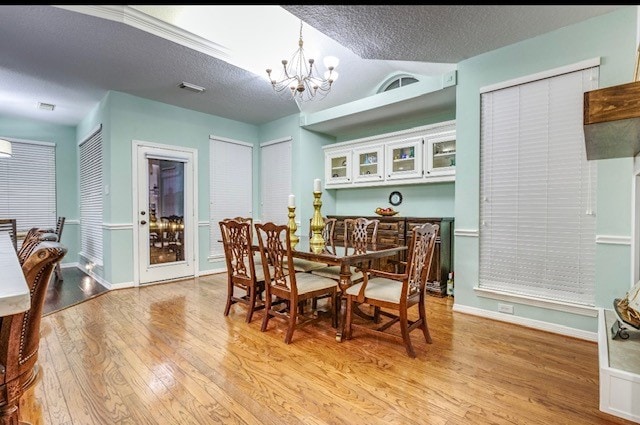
<point x="135" y="183"/>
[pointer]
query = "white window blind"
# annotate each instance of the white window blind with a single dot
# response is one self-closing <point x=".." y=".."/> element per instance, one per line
<point x="28" y="185"/>
<point x="230" y="186"/>
<point x="276" y="181"/>
<point x="537" y="190"/>
<point x="91" y="198"/>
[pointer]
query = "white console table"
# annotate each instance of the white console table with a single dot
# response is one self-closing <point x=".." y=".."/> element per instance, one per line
<point x="619" y="369"/>
<point x="14" y="292"/>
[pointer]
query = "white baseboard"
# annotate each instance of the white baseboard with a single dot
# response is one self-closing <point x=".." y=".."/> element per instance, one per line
<point x="69" y="265"/>
<point x="97" y="278"/>
<point x="212" y="271"/>
<point x="529" y="323"/>
<point x="122" y="285"/>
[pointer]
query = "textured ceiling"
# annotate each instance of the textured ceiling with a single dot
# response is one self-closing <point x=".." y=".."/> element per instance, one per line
<point x="72" y="59"/>
<point x="437" y="33"/>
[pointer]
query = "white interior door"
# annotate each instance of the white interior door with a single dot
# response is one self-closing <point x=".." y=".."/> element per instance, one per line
<point x="165" y="213"/>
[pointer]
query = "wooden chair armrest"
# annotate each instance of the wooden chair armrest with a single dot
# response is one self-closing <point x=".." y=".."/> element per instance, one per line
<point x="388" y="275"/>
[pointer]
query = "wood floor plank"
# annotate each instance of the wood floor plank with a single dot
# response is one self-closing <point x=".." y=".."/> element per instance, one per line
<point x="166" y="354"/>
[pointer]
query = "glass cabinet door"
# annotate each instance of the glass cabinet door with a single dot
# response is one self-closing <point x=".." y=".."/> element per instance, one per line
<point x="404" y="159"/>
<point x="441" y="156"/>
<point x="368" y="164"/>
<point x="338" y="167"/>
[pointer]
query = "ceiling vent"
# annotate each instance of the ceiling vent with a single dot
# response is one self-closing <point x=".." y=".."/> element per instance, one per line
<point x="46" y="106"/>
<point x="191" y="87"/>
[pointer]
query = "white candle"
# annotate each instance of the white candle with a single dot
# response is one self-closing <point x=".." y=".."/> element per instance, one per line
<point x="292" y="200"/>
<point x="316" y="185"/>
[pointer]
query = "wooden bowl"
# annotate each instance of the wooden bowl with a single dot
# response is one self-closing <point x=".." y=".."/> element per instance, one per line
<point x="387" y="214"/>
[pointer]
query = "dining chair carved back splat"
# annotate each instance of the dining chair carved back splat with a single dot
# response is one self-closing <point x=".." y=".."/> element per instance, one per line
<point x="359" y="233"/>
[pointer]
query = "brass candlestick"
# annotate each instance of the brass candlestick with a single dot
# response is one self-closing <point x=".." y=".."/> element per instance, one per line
<point x="292" y="226"/>
<point x="317" y="242"/>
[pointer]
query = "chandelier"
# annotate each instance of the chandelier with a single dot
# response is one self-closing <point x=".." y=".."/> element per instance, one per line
<point x="299" y="75"/>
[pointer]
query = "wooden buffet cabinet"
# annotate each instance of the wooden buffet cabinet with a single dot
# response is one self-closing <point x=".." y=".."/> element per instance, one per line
<point x="397" y="230"/>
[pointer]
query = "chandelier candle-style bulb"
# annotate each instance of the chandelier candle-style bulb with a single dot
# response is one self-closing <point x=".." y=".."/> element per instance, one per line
<point x="299" y="76"/>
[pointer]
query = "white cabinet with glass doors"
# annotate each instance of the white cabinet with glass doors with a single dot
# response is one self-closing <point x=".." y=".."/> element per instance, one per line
<point x="338" y="167"/>
<point x="368" y="164"/>
<point x="441" y="155"/>
<point x="405" y="159"/>
<point x="424" y="154"/>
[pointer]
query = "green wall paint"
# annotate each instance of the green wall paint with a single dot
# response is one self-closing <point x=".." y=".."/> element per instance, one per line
<point x="66" y="177"/>
<point x="419" y="200"/>
<point x="611" y="37"/>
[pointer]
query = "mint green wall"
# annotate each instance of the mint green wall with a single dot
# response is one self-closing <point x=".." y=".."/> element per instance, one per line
<point x="307" y="164"/>
<point x="126" y="118"/>
<point x="611" y="37"/>
<point x="66" y="179"/>
<point x="418" y="200"/>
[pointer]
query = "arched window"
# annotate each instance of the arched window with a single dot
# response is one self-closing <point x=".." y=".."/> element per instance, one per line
<point x="397" y="81"/>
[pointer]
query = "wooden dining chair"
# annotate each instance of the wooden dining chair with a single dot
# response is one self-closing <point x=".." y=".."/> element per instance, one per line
<point x="359" y="233"/>
<point x="58" y="232"/>
<point x="34" y="236"/>
<point x="392" y="294"/>
<point x="9" y="225"/>
<point x="302" y="265"/>
<point x="242" y="272"/>
<point x="20" y="333"/>
<point x="285" y="288"/>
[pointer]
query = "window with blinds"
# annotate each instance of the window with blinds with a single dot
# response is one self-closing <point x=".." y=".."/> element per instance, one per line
<point x="537" y="190"/>
<point x="91" y="182"/>
<point x="231" y="183"/>
<point x="28" y="189"/>
<point x="276" y="181"/>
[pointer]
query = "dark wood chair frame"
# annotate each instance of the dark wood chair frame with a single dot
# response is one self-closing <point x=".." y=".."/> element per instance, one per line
<point x="282" y="296"/>
<point x="20" y="333"/>
<point x="413" y="289"/>
<point x="241" y="268"/>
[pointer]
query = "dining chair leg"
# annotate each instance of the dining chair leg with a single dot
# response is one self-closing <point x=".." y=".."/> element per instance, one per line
<point x="293" y="318"/>
<point x="229" y="297"/>
<point x="267" y="313"/>
<point x="404" y="330"/>
<point x="252" y="302"/>
<point x="423" y="318"/>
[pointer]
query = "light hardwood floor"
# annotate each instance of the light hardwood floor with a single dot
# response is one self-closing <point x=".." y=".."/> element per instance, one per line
<point x="165" y="354"/>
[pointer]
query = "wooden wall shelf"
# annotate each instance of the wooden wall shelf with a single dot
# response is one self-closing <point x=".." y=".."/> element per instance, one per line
<point x="612" y="121"/>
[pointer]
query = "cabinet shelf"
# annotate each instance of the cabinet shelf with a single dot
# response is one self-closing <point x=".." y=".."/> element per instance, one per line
<point x="452" y="153"/>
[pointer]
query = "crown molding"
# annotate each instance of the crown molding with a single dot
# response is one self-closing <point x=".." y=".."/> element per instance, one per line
<point x="142" y="21"/>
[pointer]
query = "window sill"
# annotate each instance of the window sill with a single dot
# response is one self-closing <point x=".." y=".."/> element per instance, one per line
<point x="582" y="310"/>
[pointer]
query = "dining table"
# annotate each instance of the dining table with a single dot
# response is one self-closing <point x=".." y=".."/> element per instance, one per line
<point x="337" y="254"/>
<point x="14" y="291"/>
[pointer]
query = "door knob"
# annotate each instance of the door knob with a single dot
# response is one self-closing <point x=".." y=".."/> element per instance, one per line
<point x="143" y="222"/>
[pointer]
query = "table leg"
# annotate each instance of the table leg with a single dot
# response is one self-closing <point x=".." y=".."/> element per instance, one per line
<point x="345" y="282"/>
